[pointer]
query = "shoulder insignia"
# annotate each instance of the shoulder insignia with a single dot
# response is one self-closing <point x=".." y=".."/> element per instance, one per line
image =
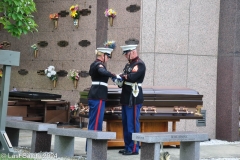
<point x="135" y="68"/>
<point x="100" y="65"/>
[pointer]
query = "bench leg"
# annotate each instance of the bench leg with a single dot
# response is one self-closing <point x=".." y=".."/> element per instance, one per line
<point x="13" y="135"/>
<point x="41" y="141"/>
<point x="189" y="150"/>
<point x="96" y="149"/>
<point x="64" y="146"/>
<point x="150" y="151"/>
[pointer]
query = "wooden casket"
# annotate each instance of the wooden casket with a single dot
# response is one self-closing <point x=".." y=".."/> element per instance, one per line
<point x="161" y="105"/>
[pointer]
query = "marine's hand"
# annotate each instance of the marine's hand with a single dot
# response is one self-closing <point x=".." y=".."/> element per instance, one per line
<point x="119" y="78"/>
<point x="113" y="79"/>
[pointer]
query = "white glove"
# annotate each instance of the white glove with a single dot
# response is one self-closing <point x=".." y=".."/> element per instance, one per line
<point x="119" y="78"/>
<point x="118" y="81"/>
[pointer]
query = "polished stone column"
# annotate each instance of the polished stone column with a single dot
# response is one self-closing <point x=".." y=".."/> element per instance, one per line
<point x="228" y="79"/>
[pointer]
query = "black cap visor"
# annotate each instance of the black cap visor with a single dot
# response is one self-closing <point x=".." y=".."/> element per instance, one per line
<point x="126" y="52"/>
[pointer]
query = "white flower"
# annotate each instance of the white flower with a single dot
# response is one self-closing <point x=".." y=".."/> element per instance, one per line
<point x="51" y="68"/>
<point x="53" y="72"/>
<point x="49" y="75"/>
<point x="76" y="106"/>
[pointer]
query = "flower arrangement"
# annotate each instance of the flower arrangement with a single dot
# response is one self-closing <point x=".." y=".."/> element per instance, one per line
<point x="74" y="109"/>
<point x="110" y="44"/>
<point x="51" y="73"/>
<point x="73" y="75"/>
<point x="54" y="16"/>
<point x="110" y="13"/>
<point x="75" y="13"/>
<point x="35" y="48"/>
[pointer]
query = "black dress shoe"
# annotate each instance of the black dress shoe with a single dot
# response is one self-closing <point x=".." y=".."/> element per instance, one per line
<point x="130" y="153"/>
<point x="122" y="151"/>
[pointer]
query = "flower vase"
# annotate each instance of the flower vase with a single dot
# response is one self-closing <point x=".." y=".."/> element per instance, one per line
<point x="75" y="83"/>
<point x="110" y="21"/>
<point x="75" y="113"/>
<point x="55" y="23"/>
<point x="54" y="83"/>
<point x="76" y="22"/>
<point x="35" y="53"/>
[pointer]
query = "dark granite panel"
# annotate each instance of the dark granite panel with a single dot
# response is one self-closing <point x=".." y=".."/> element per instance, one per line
<point x="102" y="23"/>
<point x="228" y="87"/>
<point x="227" y="26"/>
<point x="227" y="109"/>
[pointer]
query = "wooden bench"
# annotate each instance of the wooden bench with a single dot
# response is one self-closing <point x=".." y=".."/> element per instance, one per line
<point x="96" y="143"/>
<point x="41" y="140"/>
<point x="189" y="143"/>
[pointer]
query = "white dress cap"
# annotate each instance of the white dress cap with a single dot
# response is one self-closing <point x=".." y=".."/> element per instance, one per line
<point x="105" y="50"/>
<point x="128" y="48"/>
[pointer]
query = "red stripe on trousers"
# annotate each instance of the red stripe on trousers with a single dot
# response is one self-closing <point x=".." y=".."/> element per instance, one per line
<point x="98" y="112"/>
<point x="134" y="145"/>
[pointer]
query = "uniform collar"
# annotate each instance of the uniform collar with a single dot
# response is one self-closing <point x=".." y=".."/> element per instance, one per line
<point x="134" y="59"/>
<point x="98" y="60"/>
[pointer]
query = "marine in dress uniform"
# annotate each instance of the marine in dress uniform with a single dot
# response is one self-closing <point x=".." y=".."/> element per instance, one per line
<point x="99" y="90"/>
<point x="131" y="97"/>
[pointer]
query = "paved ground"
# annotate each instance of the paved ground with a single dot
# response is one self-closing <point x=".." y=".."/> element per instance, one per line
<point x="223" y="151"/>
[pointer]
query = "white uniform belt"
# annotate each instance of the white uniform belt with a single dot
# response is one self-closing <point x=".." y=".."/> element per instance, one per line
<point x="130" y="84"/>
<point x="99" y="83"/>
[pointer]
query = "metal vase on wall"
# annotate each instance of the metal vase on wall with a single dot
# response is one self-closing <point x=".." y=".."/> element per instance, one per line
<point x="110" y="19"/>
<point x="76" y="23"/>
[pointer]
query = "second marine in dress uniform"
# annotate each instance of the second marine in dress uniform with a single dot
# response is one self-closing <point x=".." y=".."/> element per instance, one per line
<point x="131" y="97"/>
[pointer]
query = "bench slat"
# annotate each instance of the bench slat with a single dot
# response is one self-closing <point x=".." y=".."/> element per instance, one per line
<point x="75" y="132"/>
<point x="154" y="137"/>
<point x="28" y="125"/>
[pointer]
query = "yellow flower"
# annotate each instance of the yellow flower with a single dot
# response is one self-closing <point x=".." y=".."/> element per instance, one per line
<point x="73" y="13"/>
<point x="72" y="8"/>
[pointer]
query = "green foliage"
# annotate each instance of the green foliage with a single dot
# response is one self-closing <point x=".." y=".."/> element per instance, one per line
<point x="17" y="16"/>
